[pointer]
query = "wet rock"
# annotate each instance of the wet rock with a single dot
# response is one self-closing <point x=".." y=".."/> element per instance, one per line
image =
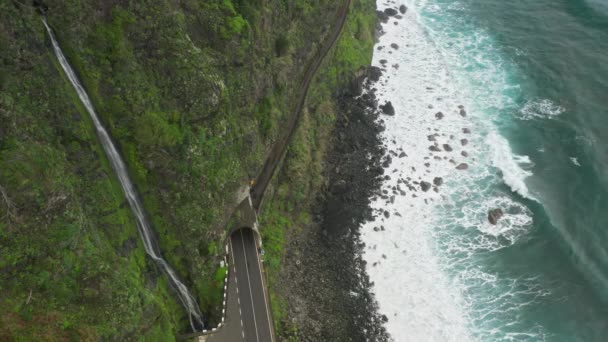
<point x="463" y="113"/>
<point x="425" y="186"/>
<point x="431" y="137"/>
<point x="438" y="181"/>
<point x="447" y="147"/>
<point x="387" y="214"/>
<point x="395" y="46"/>
<point x="383" y="61"/>
<point x="434" y="148"/>
<point x="466" y="131"/>
<point x="462" y="166"/>
<point x="464" y="153"/>
<point x="376" y="229"/>
<point x="374" y="73"/>
<point x="382" y="16"/>
<point x="464" y="142"/>
<point x="494" y="215"/>
<point x="390" y="12"/>
<point x="388" y="108"/>
<point x="439" y="115"/>
<point x="402" y="154"/>
<point x="402" y="9"/>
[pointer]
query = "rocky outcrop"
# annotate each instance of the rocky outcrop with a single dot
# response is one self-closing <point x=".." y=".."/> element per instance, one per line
<point x="494" y="215"/>
<point x="388" y="108"/>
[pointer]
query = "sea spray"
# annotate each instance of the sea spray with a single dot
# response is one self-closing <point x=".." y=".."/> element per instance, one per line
<point x="143" y="225"/>
<point x="441" y="270"/>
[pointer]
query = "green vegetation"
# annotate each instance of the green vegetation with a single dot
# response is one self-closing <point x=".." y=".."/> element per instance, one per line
<point x="194" y="93"/>
<point x="301" y="176"/>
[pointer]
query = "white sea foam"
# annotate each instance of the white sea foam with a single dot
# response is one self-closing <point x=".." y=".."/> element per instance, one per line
<point x="423" y="263"/>
<point x="574" y="161"/>
<point x="539" y="109"/>
<point x="512" y="166"/>
<point x="411" y="288"/>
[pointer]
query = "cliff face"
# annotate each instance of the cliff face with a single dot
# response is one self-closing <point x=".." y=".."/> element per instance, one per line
<point x="194" y="94"/>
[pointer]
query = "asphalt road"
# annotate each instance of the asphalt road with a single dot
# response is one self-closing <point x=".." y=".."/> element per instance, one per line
<point x="253" y="299"/>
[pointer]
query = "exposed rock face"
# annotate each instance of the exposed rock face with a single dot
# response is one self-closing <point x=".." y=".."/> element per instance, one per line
<point x="437" y="181"/>
<point x="462" y="166"/>
<point x="439" y="115"/>
<point x="434" y="148"/>
<point x="463" y="112"/>
<point x="464" y="142"/>
<point x="466" y="131"/>
<point x="447" y="147"/>
<point x="494" y="215"/>
<point x="388" y="108"/>
<point x="394" y="46"/>
<point x="402" y="9"/>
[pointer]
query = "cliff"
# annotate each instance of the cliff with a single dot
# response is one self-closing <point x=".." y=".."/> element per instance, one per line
<point x="194" y="93"/>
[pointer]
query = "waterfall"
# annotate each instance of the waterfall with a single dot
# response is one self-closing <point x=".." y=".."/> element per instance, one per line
<point x="143" y="225"/>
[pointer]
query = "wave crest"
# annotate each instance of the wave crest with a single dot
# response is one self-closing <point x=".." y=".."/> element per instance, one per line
<point x="512" y="166"/>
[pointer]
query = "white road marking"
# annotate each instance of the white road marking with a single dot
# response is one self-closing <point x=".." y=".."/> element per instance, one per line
<point x="237" y="288"/>
<point x="255" y="323"/>
<point x="265" y="298"/>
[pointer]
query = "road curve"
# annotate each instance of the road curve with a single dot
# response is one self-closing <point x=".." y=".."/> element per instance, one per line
<point x="248" y="316"/>
<point x="278" y="150"/>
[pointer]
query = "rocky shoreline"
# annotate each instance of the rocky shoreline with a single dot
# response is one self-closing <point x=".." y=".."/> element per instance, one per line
<point x="325" y="285"/>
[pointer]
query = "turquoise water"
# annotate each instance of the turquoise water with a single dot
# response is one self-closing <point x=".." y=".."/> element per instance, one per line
<point x="535" y="75"/>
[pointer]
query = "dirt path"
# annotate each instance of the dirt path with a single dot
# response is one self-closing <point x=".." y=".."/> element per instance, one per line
<point x="279" y="148"/>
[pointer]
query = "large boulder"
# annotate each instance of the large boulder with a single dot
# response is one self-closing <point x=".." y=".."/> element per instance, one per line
<point x="402" y="9"/>
<point x="462" y="166"/>
<point x="390" y="12"/>
<point x="494" y="215"/>
<point x="382" y="16"/>
<point x="388" y="108"/>
<point x="374" y="73"/>
<point x="425" y="186"/>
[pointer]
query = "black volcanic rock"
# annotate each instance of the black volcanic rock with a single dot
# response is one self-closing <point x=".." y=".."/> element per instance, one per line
<point x="494" y="215"/>
<point x="425" y="186"/>
<point x="388" y="108"/>
<point x="382" y="16"/>
<point x="390" y="12"/>
<point x="374" y="73"/>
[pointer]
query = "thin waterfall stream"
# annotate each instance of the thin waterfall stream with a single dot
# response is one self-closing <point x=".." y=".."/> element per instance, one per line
<point x="143" y="225"/>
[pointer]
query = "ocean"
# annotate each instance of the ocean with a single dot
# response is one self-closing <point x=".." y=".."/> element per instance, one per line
<point x="498" y="105"/>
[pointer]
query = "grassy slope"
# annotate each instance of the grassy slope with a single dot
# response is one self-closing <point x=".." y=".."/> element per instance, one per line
<point x="194" y="93"/>
<point x="287" y="210"/>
